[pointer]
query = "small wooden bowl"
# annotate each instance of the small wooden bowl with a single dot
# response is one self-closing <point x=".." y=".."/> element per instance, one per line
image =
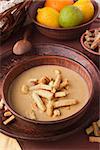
<point x="61" y="33"/>
<point x="44" y="126"/>
<point x="94" y="56"/>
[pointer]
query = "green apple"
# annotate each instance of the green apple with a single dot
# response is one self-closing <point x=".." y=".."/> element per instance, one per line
<point x="70" y="16"/>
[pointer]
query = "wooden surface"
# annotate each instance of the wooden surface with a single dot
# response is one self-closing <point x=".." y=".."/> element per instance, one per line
<point x="77" y="141"/>
<point x="37" y="37"/>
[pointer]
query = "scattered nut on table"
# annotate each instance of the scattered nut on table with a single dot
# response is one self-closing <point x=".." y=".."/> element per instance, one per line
<point x="1" y="103"/>
<point x="94" y="129"/>
<point x="8" y="116"/>
<point x="7" y="113"/>
<point x="11" y="118"/>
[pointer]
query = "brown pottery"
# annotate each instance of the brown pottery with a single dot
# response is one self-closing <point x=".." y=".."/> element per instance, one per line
<point x="61" y="33"/>
<point x="94" y="56"/>
<point x="48" y="127"/>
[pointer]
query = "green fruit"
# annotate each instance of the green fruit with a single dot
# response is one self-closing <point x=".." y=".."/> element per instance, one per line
<point x="70" y="16"/>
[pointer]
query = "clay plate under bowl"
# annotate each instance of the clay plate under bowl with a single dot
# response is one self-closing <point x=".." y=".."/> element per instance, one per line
<point x="94" y="56"/>
<point x="61" y="33"/>
<point x="48" y="127"/>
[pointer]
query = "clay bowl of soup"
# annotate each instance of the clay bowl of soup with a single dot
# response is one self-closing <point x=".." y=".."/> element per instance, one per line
<point x="48" y="93"/>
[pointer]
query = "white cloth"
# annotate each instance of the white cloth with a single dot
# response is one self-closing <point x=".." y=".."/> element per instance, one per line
<point x="4" y="5"/>
<point x="7" y="143"/>
<point x="98" y="1"/>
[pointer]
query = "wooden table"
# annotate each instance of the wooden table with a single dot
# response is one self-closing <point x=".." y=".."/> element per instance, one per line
<point x="77" y="141"/>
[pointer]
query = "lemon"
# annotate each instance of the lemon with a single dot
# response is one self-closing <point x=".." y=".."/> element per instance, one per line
<point x="70" y="16"/>
<point x="81" y="1"/>
<point x="87" y="9"/>
<point x="48" y="16"/>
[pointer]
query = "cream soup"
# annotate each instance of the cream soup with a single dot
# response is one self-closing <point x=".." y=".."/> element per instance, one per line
<point x="23" y="103"/>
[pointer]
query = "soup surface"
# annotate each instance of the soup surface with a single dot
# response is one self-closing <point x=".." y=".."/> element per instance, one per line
<point x="24" y="103"/>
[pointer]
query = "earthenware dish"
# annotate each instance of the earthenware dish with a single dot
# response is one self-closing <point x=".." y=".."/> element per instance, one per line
<point x="61" y="33"/>
<point x="45" y="126"/>
<point x="94" y="56"/>
<point x="22" y="129"/>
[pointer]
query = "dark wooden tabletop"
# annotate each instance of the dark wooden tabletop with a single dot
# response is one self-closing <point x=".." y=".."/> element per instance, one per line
<point x="77" y="141"/>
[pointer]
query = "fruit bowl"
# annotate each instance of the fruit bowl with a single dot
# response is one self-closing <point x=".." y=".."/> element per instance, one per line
<point x="61" y="33"/>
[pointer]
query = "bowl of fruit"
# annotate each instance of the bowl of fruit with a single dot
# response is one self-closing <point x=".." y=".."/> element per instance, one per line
<point x="90" y="41"/>
<point x="66" y="19"/>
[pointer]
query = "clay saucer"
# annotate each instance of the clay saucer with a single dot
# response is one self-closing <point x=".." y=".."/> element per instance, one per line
<point x="18" y="130"/>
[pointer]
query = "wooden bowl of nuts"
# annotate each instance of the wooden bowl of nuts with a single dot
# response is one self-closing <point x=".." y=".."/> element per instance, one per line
<point x="90" y="41"/>
<point x="43" y="92"/>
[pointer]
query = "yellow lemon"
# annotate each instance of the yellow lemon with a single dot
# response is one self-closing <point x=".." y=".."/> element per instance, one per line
<point x="48" y="16"/>
<point x="87" y="9"/>
<point x="83" y="1"/>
